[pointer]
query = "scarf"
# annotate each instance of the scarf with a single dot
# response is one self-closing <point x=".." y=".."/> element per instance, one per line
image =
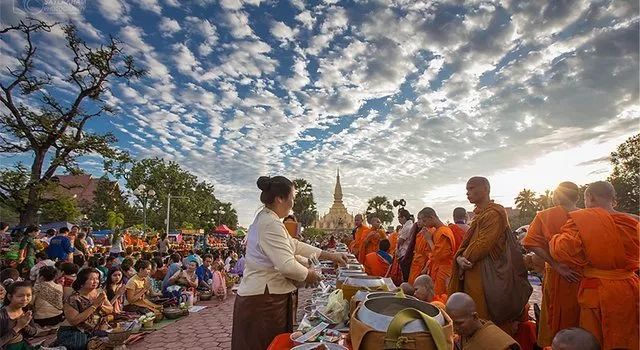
<point x="386" y="256"/>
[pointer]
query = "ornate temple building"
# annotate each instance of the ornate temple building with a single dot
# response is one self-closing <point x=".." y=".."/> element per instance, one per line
<point x="338" y="218"/>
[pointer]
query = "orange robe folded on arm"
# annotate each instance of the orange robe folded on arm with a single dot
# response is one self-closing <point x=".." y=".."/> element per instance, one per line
<point x="458" y="234"/>
<point x="371" y="243"/>
<point x="356" y="245"/>
<point x="421" y="254"/>
<point x="393" y="240"/>
<point x="440" y="262"/>
<point x="607" y="246"/>
<point x="375" y="265"/>
<point x="486" y="236"/>
<point x="559" y="308"/>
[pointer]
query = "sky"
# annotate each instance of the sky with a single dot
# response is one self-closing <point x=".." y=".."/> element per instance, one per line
<point x="407" y="98"/>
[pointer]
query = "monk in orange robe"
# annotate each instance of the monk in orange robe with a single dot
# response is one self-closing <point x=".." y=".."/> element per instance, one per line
<point x="421" y="254"/>
<point x="606" y="244"/>
<point x="560" y="308"/>
<point x="377" y="263"/>
<point x="424" y="290"/>
<point x="393" y="239"/>
<point x="486" y="236"/>
<point x="441" y="244"/>
<point x="359" y="235"/>
<point x="459" y="227"/>
<point x="474" y="332"/>
<point x="371" y="241"/>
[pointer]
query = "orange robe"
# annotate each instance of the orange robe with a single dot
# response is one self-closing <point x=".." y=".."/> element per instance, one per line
<point x="375" y="265"/>
<point x="393" y="239"/>
<point x="356" y="244"/>
<point x="441" y="259"/>
<point x="607" y="246"/>
<point x="371" y="242"/>
<point x="486" y="236"/>
<point x="560" y="308"/>
<point x="458" y="234"/>
<point x="421" y="253"/>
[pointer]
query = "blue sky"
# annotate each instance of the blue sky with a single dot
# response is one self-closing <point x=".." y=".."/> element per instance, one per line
<point x="408" y="98"/>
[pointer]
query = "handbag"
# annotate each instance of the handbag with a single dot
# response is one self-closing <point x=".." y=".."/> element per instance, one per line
<point x="506" y="274"/>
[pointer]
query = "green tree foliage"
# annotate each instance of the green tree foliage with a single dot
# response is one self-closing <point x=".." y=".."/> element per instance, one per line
<point x="314" y="234"/>
<point x="527" y="203"/>
<point x="380" y="207"/>
<point x="108" y="198"/>
<point x="545" y="200"/>
<point x="166" y="177"/>
<point x="114" y="220"/>
<point x="625" y="176"/>
<point x="60" y="208"/>
<point x="48" y="128"/>
<point x="304" y="206"/>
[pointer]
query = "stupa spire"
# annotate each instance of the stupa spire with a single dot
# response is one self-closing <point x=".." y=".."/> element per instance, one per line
<point x="337" y="193"/>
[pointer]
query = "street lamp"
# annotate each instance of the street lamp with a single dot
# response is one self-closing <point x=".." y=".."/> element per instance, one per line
<point x="144" y="194"/>
<point x="218" y="212"/>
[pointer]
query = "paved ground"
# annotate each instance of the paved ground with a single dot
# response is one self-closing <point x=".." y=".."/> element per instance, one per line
<point x="207" y="329"/>
<point x="211" y="327"/>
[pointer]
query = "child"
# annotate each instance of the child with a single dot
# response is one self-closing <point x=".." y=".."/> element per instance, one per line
<point x="219" y="282"/>
<point x="15" y="324"/>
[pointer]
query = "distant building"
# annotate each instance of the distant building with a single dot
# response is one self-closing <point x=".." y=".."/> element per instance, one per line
<point x="338" y="219"/>
<point x="81" y="187"/>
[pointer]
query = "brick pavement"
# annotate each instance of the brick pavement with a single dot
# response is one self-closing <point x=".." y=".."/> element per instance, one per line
<point x="211" y="328"/>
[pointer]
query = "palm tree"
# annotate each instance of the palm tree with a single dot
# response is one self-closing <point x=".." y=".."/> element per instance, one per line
<point x="545" y="201"/>
<point x="527" y="203"/>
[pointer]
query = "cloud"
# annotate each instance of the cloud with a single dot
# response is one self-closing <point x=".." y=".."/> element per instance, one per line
<point x="150" y="5"/>
<point x="306" y="19"/>
<point x="282" y="32"/>
<point x="114" y="10"/>
<point x="168" y="26"/>
<point x="238" y="24"/>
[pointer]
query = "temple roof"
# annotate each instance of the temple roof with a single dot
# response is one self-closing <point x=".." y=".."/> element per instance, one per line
<point x="337" y="193"/>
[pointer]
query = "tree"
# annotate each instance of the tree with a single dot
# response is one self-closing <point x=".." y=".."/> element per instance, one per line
<point x="167" y="177"/>
<point x="545" y="200"/>
<point x="108" y="198"/>
<point x="313" y="234"/>
<point x="304" y="206"/>
<point x="50" y="126"/>
<point x="625" y="176"/>
<point x="526" y="202"/>
<point x="61" y="208"/>
<point x="380" y="207"/>
<point x="115" y="220"/>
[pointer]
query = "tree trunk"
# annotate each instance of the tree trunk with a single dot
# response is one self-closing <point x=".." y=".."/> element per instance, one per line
<point x="29" y="215"/>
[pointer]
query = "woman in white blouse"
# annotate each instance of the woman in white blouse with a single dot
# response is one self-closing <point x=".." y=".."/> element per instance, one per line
<point x="263" y="307"/>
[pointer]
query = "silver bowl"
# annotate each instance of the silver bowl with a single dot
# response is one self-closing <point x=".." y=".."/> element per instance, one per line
<point x="377" y="313"/>
<point x="364" y="281"/>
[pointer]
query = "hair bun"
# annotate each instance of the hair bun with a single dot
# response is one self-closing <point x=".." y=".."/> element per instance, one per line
<point x="264" y="183"/>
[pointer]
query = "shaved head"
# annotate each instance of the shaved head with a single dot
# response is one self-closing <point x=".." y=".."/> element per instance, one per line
<point x="480" y="181"/>
<point x="424" y="288"/>
<point x="574" y="339"/>
<point x="459" y="213"/>
<point x="600" y="194"/>
<point x="602" y="189"/>
<point x="461" y="303"/>
<point x="567" y="193"/>
<point x="428" y="212"/>
<point x="462" y="311"/>
<point x="478" y="190"/>
<point x="375" y="222"/>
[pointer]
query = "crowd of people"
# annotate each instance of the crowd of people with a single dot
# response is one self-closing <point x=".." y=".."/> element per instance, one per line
<point x="62" y="282"/>
<point x="476" y="270"/>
